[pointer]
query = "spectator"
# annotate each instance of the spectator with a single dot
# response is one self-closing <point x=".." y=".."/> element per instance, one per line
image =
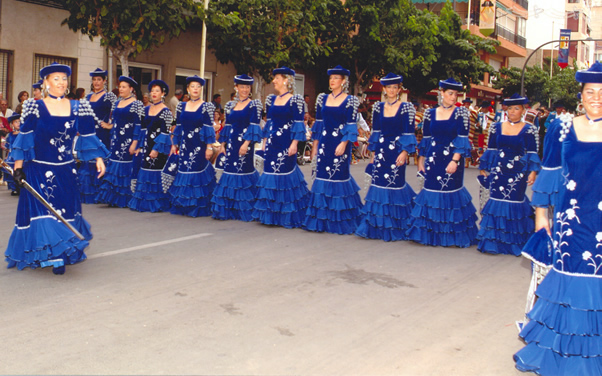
<point x="80" y="93"/>
<point x="37" y="90"/>
<point x="217" y="101"/>
<point x="22" y="97"/>
<point x="173" y="102"/>
<point x="232" y="95"/>
<point x="145" y="99"/>
<point x="5" y="112"/>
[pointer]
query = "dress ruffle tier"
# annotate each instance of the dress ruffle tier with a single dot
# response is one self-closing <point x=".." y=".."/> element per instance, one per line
<point x="234" y="196"/>
<point x="386" y="213"/>
<point x="444" y="219"/>
<point x="505" y="227"/>
<point x="334" y="207"/>
<point x="149" y="195"/>
<point x="88" y="183"/>
<point x="191" y="192"/>
<point x="282" y="199"/>
<point x="116" y="188"/>
<point x="564" y="334"/>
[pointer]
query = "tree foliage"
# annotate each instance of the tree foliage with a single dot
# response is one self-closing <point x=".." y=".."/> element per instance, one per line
<point x="129" y="27"/>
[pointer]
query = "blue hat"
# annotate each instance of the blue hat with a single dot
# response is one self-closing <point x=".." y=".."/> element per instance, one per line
<point x="451" y="84"/>
<point x="485" y="104"/>
<point x="283" y="70"/>
<point x="129" y="80"/>
<point x="593" y="75"/>
<point x="98" y="73"/>
<point x="13" y="117"/>
<point x="467" y="100"/>
<point x="391" y="79"/>
<point x="54" y="68"/>
<point x="159" y="83"/>
<point x="558" y="104"/>
<point x="339" y="70"/>
<point x="243" y="79"/>
<point x="37" y="85"/>
<point x="195" y="78"/>
<point x="515" y="100"/>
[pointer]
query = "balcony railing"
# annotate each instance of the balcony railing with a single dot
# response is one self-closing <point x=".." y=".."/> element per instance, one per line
<point x="523" y="3"/>
<point x="502" y="32"/>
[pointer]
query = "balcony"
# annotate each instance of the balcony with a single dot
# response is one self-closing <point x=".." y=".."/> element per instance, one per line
<point x="502" y="32"/>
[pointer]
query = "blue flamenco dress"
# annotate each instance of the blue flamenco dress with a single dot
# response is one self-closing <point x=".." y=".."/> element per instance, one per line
<point x="507" y="217"/>
<point x="334" y="204"/>
<point x="89" y="184"/>
<point x="149" y="195"/>
<point x="282" y="195"/>
<point x="443" y="214"/>
<point x="45" y="146"/>
<point x="194" y="183"/>
<point x="235" y="192"/>
<point x="564" y="335"/>
<point x="115" y="189"/>
<point x="8" y="178"/>
<point x="390" y="199"/>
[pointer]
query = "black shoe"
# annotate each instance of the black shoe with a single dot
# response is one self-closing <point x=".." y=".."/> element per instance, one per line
<point x="59" y="271"/>
<point x="14" y="193"/>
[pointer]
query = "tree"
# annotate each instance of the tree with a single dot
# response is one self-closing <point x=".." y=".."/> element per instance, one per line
<point x="563" y="86"/>
<point x="129" y="27"/>
<point x="536" y="83"/>
<point x="260" y="35"/>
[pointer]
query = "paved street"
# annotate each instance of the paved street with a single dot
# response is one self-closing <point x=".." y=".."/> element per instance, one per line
<point x="167" y="295"/>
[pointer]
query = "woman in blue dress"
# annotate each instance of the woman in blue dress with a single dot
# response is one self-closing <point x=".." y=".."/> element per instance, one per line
<point x="389" y="200"/>
<point x="14" y="121"/>
<point x="101" y="101"/>
<point x="193" y="185"/>
<point x="115" y="189"/>
<point x="509" y="164"/>
<point x="43" y="157"/>
<point x="155" y="147"/>
<point x="334" y="204"/>
<point x="282" y="191"/>
<point x="564" y="331"/>
<point x="443" y="214"/>
<point x="234" y="195"/>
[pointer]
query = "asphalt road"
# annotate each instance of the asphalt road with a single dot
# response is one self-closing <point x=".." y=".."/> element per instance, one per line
<point x="167" y="295"/>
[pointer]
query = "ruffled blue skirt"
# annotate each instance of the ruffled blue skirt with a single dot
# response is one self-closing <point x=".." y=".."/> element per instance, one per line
<point x="505" y="227"/>
<point x="564" y="336"/>
<point x="191" y="192"/>
<point x="234" y="196"/>
<point x="386" y="213"/>
<point x="116" y="189"/>
<point x="149" y="195"/>
<point x="334" y="207"/>
<point x="443" y="219"/>
<point x="281" y="199"/>
<point x="88" y="182"/>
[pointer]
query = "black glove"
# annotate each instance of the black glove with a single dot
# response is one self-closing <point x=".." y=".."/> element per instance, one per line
<point x="19" y="175"/>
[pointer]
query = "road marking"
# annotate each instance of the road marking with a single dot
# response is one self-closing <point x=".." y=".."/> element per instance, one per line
<point x="149" y="245"/>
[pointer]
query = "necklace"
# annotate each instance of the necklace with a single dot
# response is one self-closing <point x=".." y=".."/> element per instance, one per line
<point x="154" y="104"/>
<point x="392" y="104"/>
<point x="591" y="122"/>
<point x="446" y="107"/>
<point x="244" y="100"/>
<point x="125" y="99"/>
<point x="280" y="96"/>
<point x="99" y="92"/>
<point x="514" y="123"/>
<point x="195" y="100"/>
<point x="335" y="96"/>
<point x="53" y="97"/>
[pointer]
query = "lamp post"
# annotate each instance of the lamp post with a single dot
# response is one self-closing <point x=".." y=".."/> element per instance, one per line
<point x="522" y="75"/>
<point x="204" y="47"/>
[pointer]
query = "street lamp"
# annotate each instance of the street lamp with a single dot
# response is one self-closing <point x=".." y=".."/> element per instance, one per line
<point x="522" y="75"/>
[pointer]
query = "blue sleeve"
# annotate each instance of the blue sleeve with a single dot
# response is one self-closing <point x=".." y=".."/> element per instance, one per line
<point x="531" y="159"/>
<point x="376" y="126"/>
<point x="487" y="160"/>
<point x="23" y="147"/>
<point x="163" y="141"/>
<point x="318" y="127"/>
<point x="349" y="130"/>
<point x="88" y="145"/>
<point x="177" y="133"/>
<point x="407" y="140"/>
<point x="207" y="132"/>
<point x="267" y="128"/>
<point x="461" y="143"/>
<point x="548" y="182"/>
<point x="426" y="133"/>
<point x="298" y="128"/>
<point x="253" y="132"/>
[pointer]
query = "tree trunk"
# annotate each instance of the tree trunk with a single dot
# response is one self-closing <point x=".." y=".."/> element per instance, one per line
<point x="122" y="55"/>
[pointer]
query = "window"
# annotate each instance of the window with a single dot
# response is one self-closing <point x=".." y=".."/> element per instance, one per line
<point x="5" y="70"/>
<point x="299" y="84"/>
<point x="572" y="21"/>
<point x="143" y="74"/>
<point x="40" y="61"/>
